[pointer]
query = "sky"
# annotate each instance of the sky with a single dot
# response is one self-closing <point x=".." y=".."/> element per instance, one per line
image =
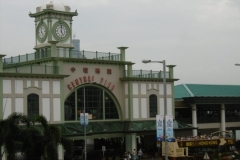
<point x="200" y="37"/>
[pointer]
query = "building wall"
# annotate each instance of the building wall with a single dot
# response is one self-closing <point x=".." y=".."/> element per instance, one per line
<point x="16" y="90"/>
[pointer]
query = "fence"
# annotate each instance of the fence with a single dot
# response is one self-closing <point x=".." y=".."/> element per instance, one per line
<point x="146" y="74"/>
<point x="63" y="53"/>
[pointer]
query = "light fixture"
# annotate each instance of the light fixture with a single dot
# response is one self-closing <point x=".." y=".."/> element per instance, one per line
<point x="165" y="99"/>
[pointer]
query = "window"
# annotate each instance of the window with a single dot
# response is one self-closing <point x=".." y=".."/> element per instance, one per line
<point x="153" y="105"/>
<point x="98" y="104"/>
<point x="33" y="105"/>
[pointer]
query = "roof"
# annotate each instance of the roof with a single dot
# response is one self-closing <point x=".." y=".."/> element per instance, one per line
<point x="206" y="90"/>
<point x="75" y="129"/>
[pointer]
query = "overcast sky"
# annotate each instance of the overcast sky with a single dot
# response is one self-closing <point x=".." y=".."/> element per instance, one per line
<point x="200" y="37"/>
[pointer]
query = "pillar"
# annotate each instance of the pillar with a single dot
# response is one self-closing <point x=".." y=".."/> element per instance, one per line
<point x="4" y="155"/>
<point x="194" y="118"/>
<point x="53" y="48"/>
<point x="130" y="94"/>
<point x="223" y="124"/>
<point x="170" y="70"/>
<point x="131" y="142"/>
<point x="122" y="53"/>
<point x="1" y="86"/>
<point x="60" y="152"/>
<point x="1" y="62"/>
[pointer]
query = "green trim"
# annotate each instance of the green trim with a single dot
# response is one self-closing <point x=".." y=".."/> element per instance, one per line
<point x="130" y="94"/>
<point x="95" y="128"/>
<point x="1" y="99"/>
<point x="152" y="89"/>
<point x="147" y="79"/>
<point x="32" y="75"/>
<point x="107" y="91"/>
<point x="33" y="87"/>
<point x="62" y="99"/>
<point x="67" y="30"/>
<point x="65" y="59"/>
<point x="44" y="25"/>
<point x="53" y="11"/>
<point x="94" y="61"/>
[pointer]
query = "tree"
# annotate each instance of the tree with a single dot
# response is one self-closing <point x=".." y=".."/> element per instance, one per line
<point x="10" y="133"/>
<point x="35" y="142"/>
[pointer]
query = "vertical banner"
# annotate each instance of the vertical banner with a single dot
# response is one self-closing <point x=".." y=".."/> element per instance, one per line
<point x="82" y="119"/>
<point x="169" y="127"/>
<point x="159" y="126"/>
<point x="86" y="118"/>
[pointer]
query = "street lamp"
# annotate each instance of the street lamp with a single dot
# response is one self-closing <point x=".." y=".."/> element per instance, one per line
<point x="165" y="101"/>
<point x="237" y="64"/>
<point x="85" y="137"/>
<point x="84" y="122"/>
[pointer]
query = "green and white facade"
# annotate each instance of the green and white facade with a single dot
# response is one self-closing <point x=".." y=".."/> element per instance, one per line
<point x="121" y="102"/>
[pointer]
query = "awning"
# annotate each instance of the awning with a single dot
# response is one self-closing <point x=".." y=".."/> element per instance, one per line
<point x="75" y="129"/>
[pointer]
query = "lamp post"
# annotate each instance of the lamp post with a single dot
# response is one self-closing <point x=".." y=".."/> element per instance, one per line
<point x="85" y="137"/>
<point x="165" y="101"/>
<point x="84" y="122"/>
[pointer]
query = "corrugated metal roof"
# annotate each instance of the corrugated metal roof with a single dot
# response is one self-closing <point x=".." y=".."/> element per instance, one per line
<point x="206" y="90"/>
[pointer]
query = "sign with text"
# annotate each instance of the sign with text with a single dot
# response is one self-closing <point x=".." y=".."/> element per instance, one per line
<point x="205" y="143"/>
<point x="159" y="126"/>
<point x="169" y="128"/>
<point x="84" y="119"/>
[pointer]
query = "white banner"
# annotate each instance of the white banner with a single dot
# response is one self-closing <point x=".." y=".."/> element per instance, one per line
<point x="82" y="119"/>
<point x="159" y="126"/>
<point x="169" y="127"/>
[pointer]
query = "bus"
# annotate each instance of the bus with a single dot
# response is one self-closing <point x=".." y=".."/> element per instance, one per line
<point x="200" y="147"/>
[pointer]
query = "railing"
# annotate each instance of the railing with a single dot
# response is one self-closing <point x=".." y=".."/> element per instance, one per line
<point x="232" y="118"/>
<point x="185" y="120"/>
<point x="38" y="69"/>
<point x="209" y="119"/>
<point x="63" y="53"/>
<point x="20" y="58"/>
<point x="93" y="55"/>
<point x="146" y="74"/>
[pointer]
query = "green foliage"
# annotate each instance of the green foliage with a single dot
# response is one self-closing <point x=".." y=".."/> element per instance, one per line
<point x="17" y="128"/>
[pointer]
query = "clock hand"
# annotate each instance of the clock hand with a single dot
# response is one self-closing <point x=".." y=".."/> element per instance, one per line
<point x="61" y="30"/>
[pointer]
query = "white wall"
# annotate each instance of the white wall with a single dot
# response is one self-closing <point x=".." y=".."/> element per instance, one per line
<point x="19" y="105"/>
<point x="56" y="109"/>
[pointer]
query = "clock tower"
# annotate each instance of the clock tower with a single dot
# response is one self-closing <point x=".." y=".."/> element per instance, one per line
<point x="53" y="30"/>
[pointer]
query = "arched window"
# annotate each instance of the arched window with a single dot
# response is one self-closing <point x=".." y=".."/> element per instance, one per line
<point x="98" y="104"/>
<point x="32" y="105"/>
<point x="153" y="105"/>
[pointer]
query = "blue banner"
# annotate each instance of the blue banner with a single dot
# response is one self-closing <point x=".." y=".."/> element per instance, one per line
<point x="169" y="128"/>
<point x="159" y="126"/>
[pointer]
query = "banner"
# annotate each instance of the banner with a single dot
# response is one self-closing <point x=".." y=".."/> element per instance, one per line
<point x="159" y="126"/>
<point x="82" y="119"/>
<point x="169" y="128"/>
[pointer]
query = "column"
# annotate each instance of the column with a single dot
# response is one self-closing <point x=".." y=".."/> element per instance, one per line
<point x="130" y="94"/>
<point x="194" y="118"/>
<point x="223" y="124"/>
<point x="1" y="86"/>
<point x="60" y="152"/>
<point x="131" y="142"/>
<point x="170" y="68"/>
<point x="4" y="155"/>
<point x="53" y="48"/>
<point x="1" y="62"/>
<point x="122" y="53"/>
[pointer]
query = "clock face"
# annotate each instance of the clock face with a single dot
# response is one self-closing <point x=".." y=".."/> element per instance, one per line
<point x="61" y="31"/>
<point x="42" y="31"/>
